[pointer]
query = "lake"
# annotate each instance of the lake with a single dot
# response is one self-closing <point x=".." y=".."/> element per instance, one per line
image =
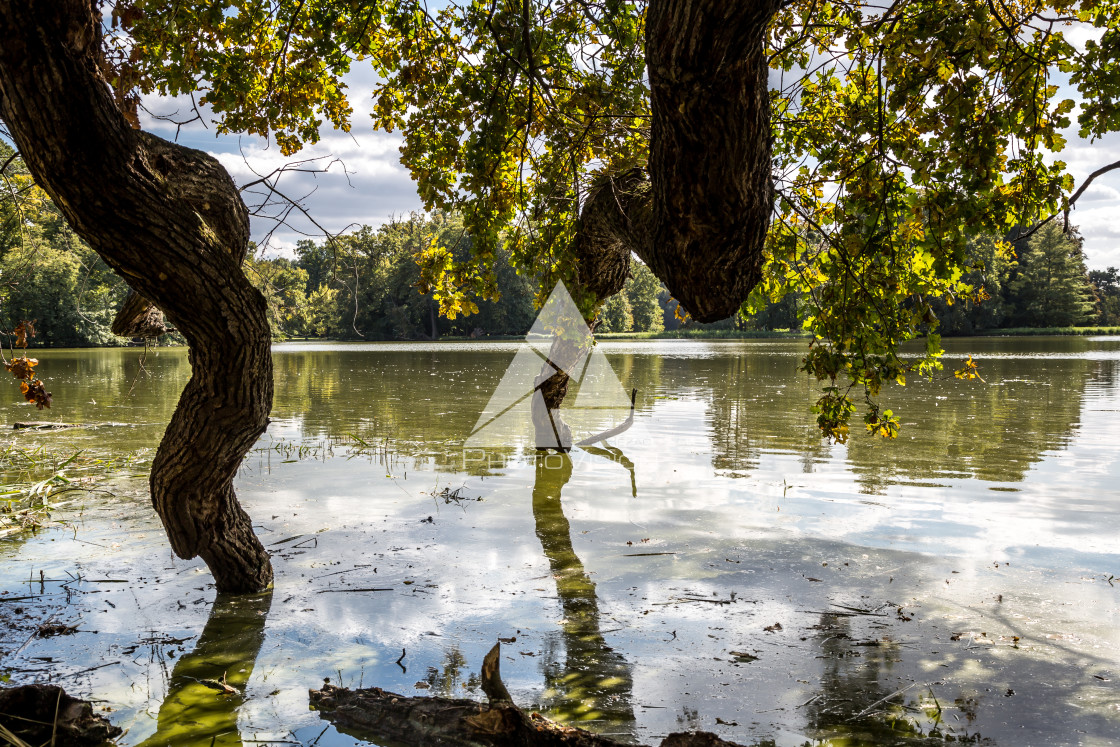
<point x="716" y="566"/>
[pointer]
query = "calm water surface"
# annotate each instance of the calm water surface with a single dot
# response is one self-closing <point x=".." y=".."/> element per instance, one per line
<point x="719" y="566"/>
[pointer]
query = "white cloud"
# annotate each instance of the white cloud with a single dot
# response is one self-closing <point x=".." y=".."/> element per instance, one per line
<point x="1078" y="34"/>
<point x="1098" y="192"/>
<point x="1095" y="213"/>
<point x="364" y="184"/>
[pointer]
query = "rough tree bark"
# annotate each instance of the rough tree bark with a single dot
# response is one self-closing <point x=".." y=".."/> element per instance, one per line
<point x="137" y="317"/>
<point x="701" y="218"/>
<point x="170" y="221"/>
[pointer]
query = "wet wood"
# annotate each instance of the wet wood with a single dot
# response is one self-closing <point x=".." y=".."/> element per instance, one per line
<point x="33" y="426"/>
<point x="45" y="714"/>
<point x="44" y="426"/>
<point x="492" y="683"/>
<point x="384" y="716"/>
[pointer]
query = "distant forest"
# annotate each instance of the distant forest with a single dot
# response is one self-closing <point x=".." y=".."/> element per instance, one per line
<point x="365" y="285"/>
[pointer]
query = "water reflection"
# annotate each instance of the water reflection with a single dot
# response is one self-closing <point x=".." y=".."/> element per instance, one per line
<point x="752" y="408"/>
<point x="862" y="700"/>
<point x="993" y="431"/>
<point x="615" y="455"/>
<point x="594" y="682"/>
<point x="997" y="526"/>
<point x="422" y="401"/>
<point x="207" y="686"/>
<point x="448" y="681"/>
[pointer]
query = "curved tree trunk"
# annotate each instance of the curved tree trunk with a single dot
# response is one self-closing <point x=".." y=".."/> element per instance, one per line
<point x="701" y="219"/>
<point x="699" y="213"/>
<point x="170" y="221"/>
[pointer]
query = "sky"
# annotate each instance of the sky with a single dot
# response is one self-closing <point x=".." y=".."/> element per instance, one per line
<point x="363" y="182"/>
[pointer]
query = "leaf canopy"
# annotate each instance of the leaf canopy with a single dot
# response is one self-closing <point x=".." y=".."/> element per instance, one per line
<point x="900" y="131"/>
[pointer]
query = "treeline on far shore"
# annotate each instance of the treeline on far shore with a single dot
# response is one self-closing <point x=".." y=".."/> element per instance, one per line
<point x="364" y="286"/>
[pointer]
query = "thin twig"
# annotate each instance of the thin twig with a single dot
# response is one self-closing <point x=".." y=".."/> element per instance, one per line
<point x="871" y="707"/>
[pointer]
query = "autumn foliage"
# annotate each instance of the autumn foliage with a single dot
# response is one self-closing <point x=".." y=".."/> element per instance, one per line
<point x="23" y="368"/>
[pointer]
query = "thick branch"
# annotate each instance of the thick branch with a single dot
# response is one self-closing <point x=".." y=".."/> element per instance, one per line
<point x="701" y="221"/>
<point x="1089" y="180"/>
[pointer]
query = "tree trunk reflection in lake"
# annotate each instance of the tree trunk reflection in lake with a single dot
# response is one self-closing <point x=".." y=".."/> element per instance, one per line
<point x="615" y="454"/>
<point x="594" y="682"/>
<point x="196" y="710"/>
<point x="863" y="701"/>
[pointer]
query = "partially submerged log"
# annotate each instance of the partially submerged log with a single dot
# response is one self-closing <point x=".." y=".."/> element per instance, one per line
<point x="45" y="714"/>
<point x="44" y="426"/>
<point x="33" y="426"/>
<point x="381" y="715"/>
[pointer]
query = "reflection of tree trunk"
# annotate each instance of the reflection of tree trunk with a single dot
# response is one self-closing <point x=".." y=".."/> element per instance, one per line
<point x="170" y="221"/>
<point x="594" y="681"/>
<point x="194" y="713"/>
<point x="850" y="685"/>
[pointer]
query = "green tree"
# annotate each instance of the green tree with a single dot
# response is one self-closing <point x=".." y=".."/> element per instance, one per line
<point x="616" y="314"/>
<point x="1051" y="286"/>
<point x="513" y="312"/>
<point x="378" y="292"/>
<point x="323" y="313"/>
<point x="1106" y="286"/>
<point x="283" y="284"/>
<point x="642" y="291"/>
<point x="784" y="313"/>
<point x="316" y="260"/>
<point x="986" y="307"/>
<point x="52" y="278"/>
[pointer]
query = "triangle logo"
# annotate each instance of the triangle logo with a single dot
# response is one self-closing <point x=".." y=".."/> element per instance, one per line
<point x="559" y="343"/>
